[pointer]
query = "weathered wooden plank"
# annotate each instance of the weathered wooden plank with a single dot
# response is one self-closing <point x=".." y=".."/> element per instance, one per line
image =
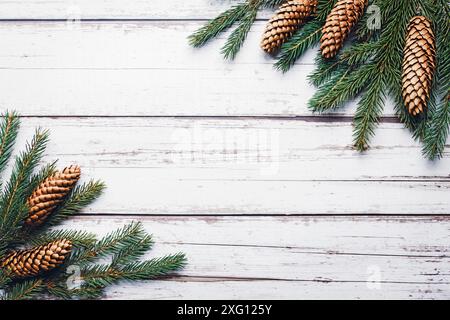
<point x="114" y="9"/>
<point x="205" y="289"/>
<point x="145" y="68"/>
<point x="355" y="257"/>
<point x="149" y="191"/>
<point x="237" y="149"/>
<point x="182" y="166"/>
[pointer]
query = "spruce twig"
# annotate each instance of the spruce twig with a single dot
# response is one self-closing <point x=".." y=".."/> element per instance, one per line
<point x="25" y="290"/>
<point x="244" y="13"/>
<point x="80" y="197"/>
<point x="237" y="37"/>
<point x="216" y="26"/>
<point x="9" y="128"/>
<point x="31" y="277"/>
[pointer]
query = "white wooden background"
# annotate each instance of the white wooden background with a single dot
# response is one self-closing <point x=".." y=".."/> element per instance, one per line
<point x="222" y="160"/>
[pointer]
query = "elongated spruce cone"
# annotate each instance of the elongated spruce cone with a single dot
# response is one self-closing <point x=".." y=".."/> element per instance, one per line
<point x="50" y="193"/>
<point x="419" y="65"/>
<point x="31" y="262"/>
<point x="344" y="15"/>
<point x="288" y="18"/>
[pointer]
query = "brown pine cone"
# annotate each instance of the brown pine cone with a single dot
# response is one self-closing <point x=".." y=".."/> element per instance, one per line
<point x="288" y="18"/>
<point x="419" y="64"/>
<point x="344" y="15"/>
<point x="31" y="262"/>
<point x="50" y="193"/>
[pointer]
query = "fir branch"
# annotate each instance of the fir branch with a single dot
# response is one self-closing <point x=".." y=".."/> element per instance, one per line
<point x="4" y="277"/>
<point x="113" y="243"/>
<point x="133" y="250"/>
<point x="324" y="71"/>
<point x="358" y="54"/>
<point x="12" y="202"/>
<point x="216" y="26"/>
<point x="297" y="45"/>
<point x="78" y="238"/>
<point x="344" y="85"/>
<point x="100" y="276"/>
<point x="437" y="128"/>
<point x="368" y="112"/>
<point x="80" y="197"/>
<point x="9" y="128"/>
<point x="24" y="290"/>
<point x="237" y="37"/>
<point x="436" y="136"/>
<point x="121" y="238"/>
<point x="61" y="291"/>
<point x="304" y="38"/>
<point x="43" y="173"/>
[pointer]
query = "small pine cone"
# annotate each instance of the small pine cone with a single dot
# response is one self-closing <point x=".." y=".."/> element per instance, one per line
<point x="50" y="193"/>
<point x="288" y="18"/>
<point x="419" y="64"/>
<point x="344" y="15"/>
<point x="28" y="263"/>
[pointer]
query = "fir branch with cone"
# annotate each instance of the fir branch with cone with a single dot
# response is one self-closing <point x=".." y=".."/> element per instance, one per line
<point x="35" y="257"/>
<point x="406" y="57"/>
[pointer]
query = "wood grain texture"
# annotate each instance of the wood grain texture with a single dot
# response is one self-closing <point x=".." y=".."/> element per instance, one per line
<point x="195" y="166"/>
<point x="326" y="257"/>
<point x="274" y="205"/>
<point x="145" y="69"/>
<point x="240" y="149"/>
<point x="115" y="9"/>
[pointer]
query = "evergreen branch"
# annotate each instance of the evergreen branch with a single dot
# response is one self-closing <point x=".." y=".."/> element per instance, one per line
<point x="216" y="26"/>
<point x="121" y="238"/>
<point x="323" y="9"/>
<point x="227" y="19"/>
<point x="132" y="251"/>
<point x="359" y="53"/>
<point x="80" y="197"/>
<point x="237" y="37"/>
<point x="437" y="128"/>
<point x="78" y="238"/>
<point x="13" y="207"/>
<point x="113" y="243"/>
<point x="367" y="114"/>
<point x="4" y="277"/>
<point x="324" y="71"/>
<point x="344" y="85"/>
<point x="100" y="276"/>
<point x="25" y="290"/>
<point x="297" y="45"/>
<point x="61" y="291"/>
<point x="9" y="128"/>
<point x="272" y="3"/>
<point x="40" y="176"/>
<point x="436" y="136"/>
<point x="304" y="38"/>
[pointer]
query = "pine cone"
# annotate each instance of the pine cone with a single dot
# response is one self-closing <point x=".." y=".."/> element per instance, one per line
<point x="27" y="263"/>
<point x="50" y="193"/>
<point x="288" y="18"/>
<point x="419" y="64"/>
<point x="344" y="15"/>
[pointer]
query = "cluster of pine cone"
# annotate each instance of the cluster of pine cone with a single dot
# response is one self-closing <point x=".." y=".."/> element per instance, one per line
<point x="419" y="51"/>
<point x="43" y="201"/>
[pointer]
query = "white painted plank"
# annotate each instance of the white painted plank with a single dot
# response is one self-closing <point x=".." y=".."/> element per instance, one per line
<point x="146" y="68"/>
<point x="147" y="191"/>
<point x="355" y="257"/>
<point x="114" y="9"/>
<point x="158" y="166"/>
<point x="230" y="149"/>
<point x="204" y="289"/>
